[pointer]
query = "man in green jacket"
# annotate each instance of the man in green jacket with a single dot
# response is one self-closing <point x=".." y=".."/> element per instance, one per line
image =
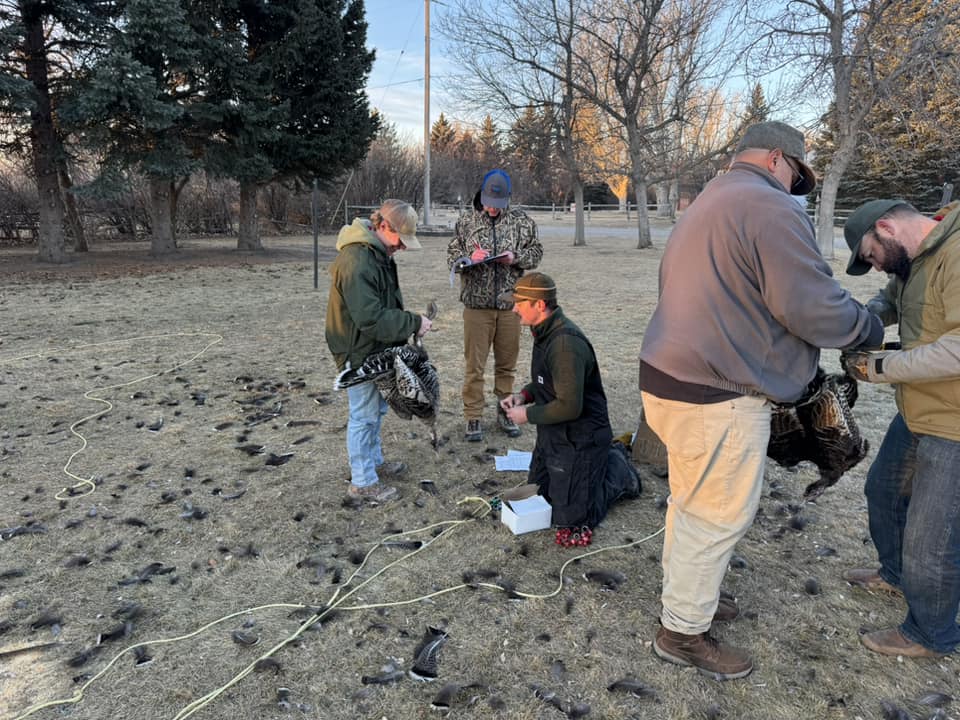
<point x="913" y="497"/>
<point x="365" y="315"/>
<point x="575" y="465"/>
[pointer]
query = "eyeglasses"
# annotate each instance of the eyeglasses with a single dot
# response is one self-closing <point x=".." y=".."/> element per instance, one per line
<point x="795" y="174"/>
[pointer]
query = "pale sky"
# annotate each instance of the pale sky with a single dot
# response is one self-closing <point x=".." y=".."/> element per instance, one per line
<point x="396" y="31"/>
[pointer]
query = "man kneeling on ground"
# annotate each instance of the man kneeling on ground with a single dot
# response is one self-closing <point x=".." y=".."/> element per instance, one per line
<point x="575" y="466"/>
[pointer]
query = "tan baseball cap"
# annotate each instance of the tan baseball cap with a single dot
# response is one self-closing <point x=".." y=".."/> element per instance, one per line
<point x="402" y="218"/>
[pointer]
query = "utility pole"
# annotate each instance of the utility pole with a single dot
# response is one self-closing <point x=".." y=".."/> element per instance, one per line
<point x="426" y="113"/>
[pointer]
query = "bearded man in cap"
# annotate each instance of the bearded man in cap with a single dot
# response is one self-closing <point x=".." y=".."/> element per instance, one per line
<point x="746" y="301"/>
<point x="913" y="497"/>
<point x="365" y="315"/>
<point x="501" y="243"/>
<point x="575" y="465"/>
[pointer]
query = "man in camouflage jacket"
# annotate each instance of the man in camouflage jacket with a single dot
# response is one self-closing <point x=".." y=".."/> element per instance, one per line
<point x="489" y="230"/>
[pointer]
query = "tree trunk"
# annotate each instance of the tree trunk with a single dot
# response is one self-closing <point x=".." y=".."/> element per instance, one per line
<point x="43" y="140"/>
<point x="674" y="198"/>
<point x="74" y="223"/>
<point x="643" y="217"/>
<point x="662" y="190"/>
<point x="162" y="240"/>
<point x="249" y="235"/>
<point x="133" y="211"/>
<point x="579" y="235"/>
<point x="176" y="187"/>
<point x="839" y="161"/>
<point x="827" y="209"/>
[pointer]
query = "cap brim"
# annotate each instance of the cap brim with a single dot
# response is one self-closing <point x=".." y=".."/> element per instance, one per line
<point x="856" y="265"/>
<point x="494" y="202"/>
<point x="807" y="183"/>
<point x="411" y="242"/>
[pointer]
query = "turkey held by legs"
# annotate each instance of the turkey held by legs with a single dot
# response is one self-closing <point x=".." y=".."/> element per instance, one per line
<point x="819" y="428"/>
<point x="405" y="377"/>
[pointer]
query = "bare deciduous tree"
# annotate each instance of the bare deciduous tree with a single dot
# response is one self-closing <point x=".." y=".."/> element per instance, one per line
<point x="845" y="47"/>
<point x="650" y="59"/>
<point x="527" y="59"/>
<point x="639" y="61"/>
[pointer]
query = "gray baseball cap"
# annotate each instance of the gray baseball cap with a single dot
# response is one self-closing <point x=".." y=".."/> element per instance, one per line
<point x="775" y="135"/>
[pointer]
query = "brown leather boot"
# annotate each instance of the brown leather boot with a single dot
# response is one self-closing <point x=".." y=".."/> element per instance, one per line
<point x="727" y="608"/>
<point x="893" y="642"/>
<point x="711" y="657"/>
<point x="869" y="579"/>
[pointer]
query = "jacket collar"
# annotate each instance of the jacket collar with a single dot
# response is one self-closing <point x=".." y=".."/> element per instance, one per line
<point x="542" y="330"/>
<point x="762" y="173"/>
<point x="947" y="227"/>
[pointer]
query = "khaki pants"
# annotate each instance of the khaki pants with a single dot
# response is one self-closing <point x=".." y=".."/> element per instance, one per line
<point x="481" y="330"/>
<point x="716" y="456"/>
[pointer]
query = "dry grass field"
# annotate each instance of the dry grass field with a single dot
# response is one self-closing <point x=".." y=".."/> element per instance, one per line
<point x="187" y="544"/>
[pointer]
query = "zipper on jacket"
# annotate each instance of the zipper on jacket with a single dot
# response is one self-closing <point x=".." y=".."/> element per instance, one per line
<point x="496" y="275"/>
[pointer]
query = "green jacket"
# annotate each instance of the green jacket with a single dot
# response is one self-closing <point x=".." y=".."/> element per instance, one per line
<point x="926" y="372"/>
<point x="365" y="308"/>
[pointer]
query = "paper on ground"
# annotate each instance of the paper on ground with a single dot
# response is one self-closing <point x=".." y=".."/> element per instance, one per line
<point x="514" y="460"/>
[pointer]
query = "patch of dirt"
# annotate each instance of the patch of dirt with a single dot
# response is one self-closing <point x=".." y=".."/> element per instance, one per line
<point x="199" y="389"/>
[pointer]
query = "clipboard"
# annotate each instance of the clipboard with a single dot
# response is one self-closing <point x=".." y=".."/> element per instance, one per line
<point x="461" y="264"/>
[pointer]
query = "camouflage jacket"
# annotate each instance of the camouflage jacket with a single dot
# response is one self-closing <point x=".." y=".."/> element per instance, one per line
<point x="511" y="230"/>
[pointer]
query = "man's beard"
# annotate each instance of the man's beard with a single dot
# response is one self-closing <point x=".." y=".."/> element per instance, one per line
<point x="895" y="260"/>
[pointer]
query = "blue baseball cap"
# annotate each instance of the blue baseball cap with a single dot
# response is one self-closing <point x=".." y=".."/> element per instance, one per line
<point x="495" y="189"/>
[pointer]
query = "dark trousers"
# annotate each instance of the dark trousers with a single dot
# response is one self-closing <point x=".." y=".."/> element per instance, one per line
<point x="580" y="480"/>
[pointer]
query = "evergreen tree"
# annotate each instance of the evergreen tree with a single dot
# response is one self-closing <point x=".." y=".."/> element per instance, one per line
<point x="442" y="135"/>
<point x="321" y="70"/>
<point x="146" y="106"/>
<point x="467" y="170"/>
<point x="491" y="155"/>
<point x="757" y="110"/>
<point x="35" y="35"/>
<point x="532" y="151"/>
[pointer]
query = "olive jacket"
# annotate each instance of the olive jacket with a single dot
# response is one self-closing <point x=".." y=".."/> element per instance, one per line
<point x="365" y="308"/>
<point x="926" y="372"/>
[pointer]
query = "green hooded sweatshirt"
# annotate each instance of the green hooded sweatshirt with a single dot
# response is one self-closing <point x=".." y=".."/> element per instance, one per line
<point x="365" y="309"/>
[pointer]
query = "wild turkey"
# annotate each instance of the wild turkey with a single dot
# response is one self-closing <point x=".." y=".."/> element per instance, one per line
<point x="820" y="428"/>
<point x="405" y="377"/>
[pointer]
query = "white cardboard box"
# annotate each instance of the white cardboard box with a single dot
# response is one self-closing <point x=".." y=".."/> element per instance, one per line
<point x="527" y="515"/>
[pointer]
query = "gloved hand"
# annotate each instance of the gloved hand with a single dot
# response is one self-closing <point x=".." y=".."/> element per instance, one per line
<point x="864" y="366"/>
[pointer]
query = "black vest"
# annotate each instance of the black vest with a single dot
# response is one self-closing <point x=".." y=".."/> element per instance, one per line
<point x="593" y="425"/>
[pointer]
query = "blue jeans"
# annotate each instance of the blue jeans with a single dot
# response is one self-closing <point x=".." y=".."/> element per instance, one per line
<point x="917" y="535"/>
<point x="364" y="450"/>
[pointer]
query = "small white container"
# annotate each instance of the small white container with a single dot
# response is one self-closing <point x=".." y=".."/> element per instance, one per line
<point x="527" y="515"/>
